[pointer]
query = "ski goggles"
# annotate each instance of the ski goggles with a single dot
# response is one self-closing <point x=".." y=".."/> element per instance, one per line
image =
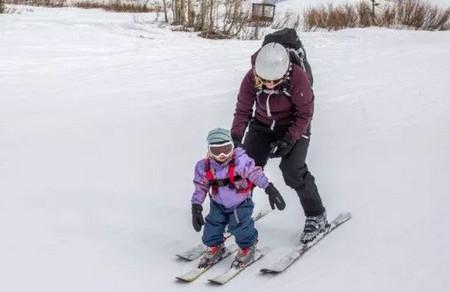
<point x="221" y="150"/>
<point x="269" y="83"/>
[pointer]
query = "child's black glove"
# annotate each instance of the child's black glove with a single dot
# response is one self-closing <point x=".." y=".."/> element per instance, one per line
<point x="281" y="147"/>
<point x="197" y="217"/>
<point x="275" y="198"/>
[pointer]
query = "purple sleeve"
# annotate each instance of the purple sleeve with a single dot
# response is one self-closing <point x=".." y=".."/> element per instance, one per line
<point x="201" y="184"/>
<point x="246" y="168"/>
<point x="302" y="97"/>
<point x="244" y="105"/>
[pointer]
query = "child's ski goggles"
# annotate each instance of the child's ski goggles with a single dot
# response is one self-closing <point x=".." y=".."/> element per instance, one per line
<point x="221" y="150"/>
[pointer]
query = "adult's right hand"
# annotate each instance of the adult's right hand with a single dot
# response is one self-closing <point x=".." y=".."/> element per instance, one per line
<point x="281" y="147"/>
<point x="275" y="198"/>
<point x="197" y="217"/>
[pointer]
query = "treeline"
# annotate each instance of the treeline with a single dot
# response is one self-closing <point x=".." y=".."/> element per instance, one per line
<point x="231" y="18"/>
<point x="212" y="18"/>
<point x="416" y="14"/>
<point x="115" y="5"/>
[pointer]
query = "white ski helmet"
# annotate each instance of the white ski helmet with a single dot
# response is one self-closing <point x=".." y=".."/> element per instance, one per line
<point x="272" y="61"/>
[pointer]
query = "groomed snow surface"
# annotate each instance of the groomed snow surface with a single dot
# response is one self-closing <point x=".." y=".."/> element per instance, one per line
<point x="102" y="119"/>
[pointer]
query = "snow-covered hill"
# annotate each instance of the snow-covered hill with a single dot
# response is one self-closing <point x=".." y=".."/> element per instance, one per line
<point x="102" y="119"/>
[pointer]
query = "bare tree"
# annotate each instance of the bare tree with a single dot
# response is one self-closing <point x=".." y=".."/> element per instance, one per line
<point x="182" y="9"/>
<point x="165" y="11"/>
<point x="211" y="15"/>
<point x="213" y="18"/>
<point x="204" y="19"/>
<point x="179" y="12"/>
<point x="190" y="14"/>
<point x="176" y="11"/>
<point x="2" y="6"/>
<point x="235" y="17"/>
<point x="200" y="21"/>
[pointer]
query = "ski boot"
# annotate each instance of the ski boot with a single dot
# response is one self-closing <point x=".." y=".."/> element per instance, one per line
<point x="212" y="255"/>
<point x="314" y="225"/>
<point x="244" y="256"/>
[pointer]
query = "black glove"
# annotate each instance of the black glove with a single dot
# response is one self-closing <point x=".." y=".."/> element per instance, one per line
<point x="281" y="147"/>
<point x="275" y="198"/>
<point x="197" y="217"/>
<point x="237" y="141"/>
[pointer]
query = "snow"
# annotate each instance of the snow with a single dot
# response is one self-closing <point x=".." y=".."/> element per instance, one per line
<point x="102" y="118"/>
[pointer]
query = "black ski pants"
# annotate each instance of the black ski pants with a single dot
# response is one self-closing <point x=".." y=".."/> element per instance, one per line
<point x="293" y="166"/>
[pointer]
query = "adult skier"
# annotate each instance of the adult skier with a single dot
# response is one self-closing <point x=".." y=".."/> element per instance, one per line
<point x="280" y="126"/>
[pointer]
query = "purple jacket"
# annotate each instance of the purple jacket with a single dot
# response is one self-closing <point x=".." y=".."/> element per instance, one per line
<point x="276" y="108"/>
<point x="229" y="198"/>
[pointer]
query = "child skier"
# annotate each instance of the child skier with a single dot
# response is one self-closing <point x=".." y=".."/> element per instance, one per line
<point x="228" y="175"/>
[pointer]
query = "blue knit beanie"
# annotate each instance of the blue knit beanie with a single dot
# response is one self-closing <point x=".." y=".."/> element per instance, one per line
<point x="218" y="136"/>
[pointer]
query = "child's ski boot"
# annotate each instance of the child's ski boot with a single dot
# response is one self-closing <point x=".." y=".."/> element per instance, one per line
<point x="244" y="256"/>
<point x="212" y="255"/>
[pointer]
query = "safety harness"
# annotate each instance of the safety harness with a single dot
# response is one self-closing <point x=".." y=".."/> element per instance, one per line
<point x="215" y="184"/>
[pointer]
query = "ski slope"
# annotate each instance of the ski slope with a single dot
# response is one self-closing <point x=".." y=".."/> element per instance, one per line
<point x="102" y="119"/>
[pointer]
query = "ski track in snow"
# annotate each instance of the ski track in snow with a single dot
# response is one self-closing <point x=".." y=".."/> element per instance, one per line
<point x="102" y="120"/>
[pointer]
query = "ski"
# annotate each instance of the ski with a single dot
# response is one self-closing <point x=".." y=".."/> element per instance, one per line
<point x="301" y="249"/>
<point x="234" y="270"/>
<point x="197" y="272"/>
<point x="196" y="251"/>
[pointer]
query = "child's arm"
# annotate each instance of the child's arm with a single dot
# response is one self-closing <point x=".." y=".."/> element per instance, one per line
<point x="201" y="184"/>
<point x="246" y="168"/>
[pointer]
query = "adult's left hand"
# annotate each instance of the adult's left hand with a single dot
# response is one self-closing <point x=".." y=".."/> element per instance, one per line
<point x="281" y="147"/>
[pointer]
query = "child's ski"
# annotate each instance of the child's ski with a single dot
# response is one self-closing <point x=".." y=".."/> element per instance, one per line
<point x="236" y="269"/>
<point x="301" y="249"/>
<point x="196" y="251"/>
<point x="197" y="272"/>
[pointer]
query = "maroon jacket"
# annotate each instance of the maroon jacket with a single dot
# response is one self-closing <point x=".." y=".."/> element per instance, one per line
<point x="295" y="111"/>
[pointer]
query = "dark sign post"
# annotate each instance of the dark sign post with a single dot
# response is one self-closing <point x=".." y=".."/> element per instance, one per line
<point x="374" y="4"/>
<point x="263" y="12"/>
<point x="262" y="15"/>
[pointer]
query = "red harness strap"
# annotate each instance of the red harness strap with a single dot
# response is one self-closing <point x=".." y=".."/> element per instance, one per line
<point x="230" y="181"/>
<point x="210" y="176"/>
<point x="231" y="175"/>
